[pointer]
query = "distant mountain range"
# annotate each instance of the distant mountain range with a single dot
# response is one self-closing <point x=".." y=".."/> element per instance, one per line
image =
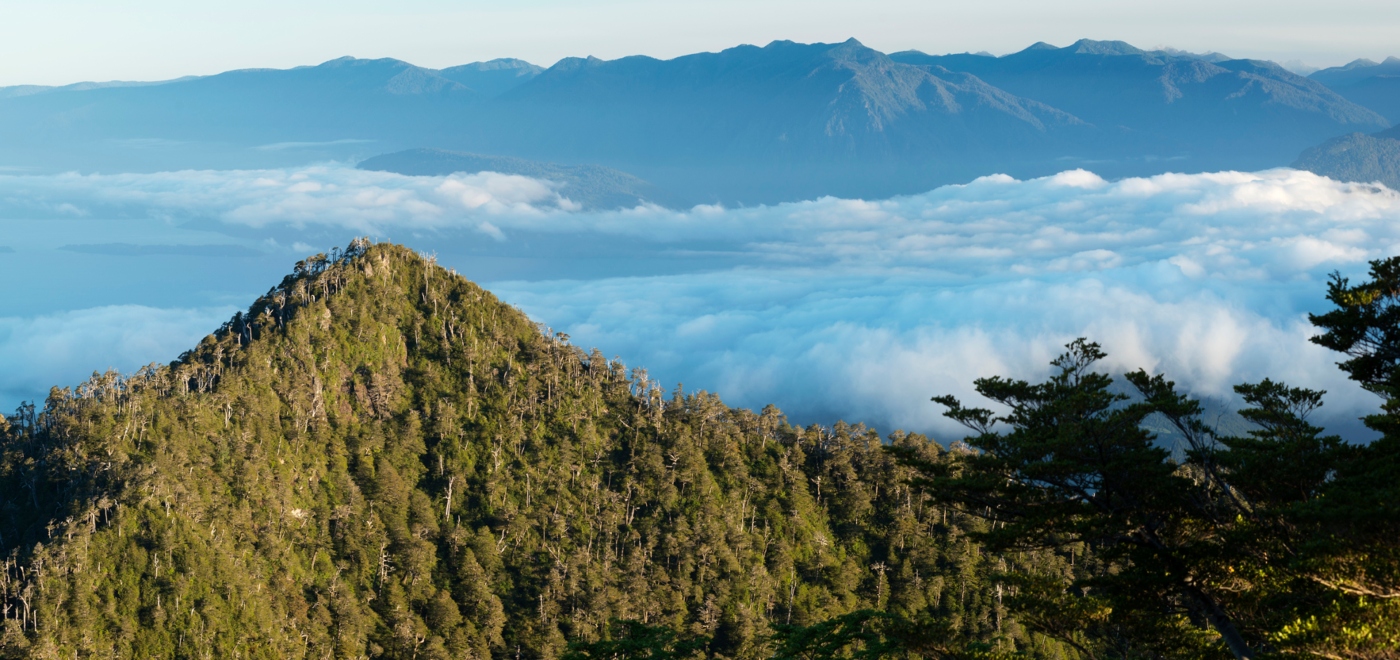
<point x="1358" y="156"/>
<point x="745" y="125"/>
<point x="1207" y="112"/>
<point x="1376" y="86"/>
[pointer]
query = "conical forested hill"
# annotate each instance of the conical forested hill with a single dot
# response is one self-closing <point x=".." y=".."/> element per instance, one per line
<point x="380" y="459"/>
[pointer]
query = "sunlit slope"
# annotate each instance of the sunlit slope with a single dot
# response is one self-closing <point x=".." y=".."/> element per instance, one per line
<point x="381" y="459"/>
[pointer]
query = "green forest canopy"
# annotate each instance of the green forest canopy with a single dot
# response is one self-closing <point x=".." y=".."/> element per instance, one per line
<point x="380" y="459"/>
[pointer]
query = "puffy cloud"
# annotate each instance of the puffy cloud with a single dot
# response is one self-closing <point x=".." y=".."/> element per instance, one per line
<point x="63" y="349"/>
<point x="860" y="309"/>
<point x="876" y="348"/>
<point x="334" y="196"/>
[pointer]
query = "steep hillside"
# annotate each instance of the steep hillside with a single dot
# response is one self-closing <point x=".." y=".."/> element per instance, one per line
<point x="379" y="459"/>
<point x="1156" y="106"/>
<point x="1372" y="84"/>
<point x="1356" y="157"/>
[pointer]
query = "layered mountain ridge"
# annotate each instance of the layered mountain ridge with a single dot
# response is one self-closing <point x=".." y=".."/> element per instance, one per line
<point x="380" y="459"/>
<point x="1373" y="84"/>
<point x="744" y="125"/>
<point x="1168" y="105"/>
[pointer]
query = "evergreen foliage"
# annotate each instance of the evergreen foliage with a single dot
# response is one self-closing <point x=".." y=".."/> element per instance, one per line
<point x="379" y="459"/>
<point x="1280" y="542"/>
<point x="632" y="640"/>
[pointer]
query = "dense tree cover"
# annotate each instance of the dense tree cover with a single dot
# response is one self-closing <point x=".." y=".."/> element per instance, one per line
<point x="859" y="635"/>
<point x="379" y="459"/>
<point x="1282" y="541"/>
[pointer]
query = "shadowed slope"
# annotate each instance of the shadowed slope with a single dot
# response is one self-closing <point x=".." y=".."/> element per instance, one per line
<point x="1152" y="106"/>
<point x="1356" y="157"/>
<point x="1374" y="85"/>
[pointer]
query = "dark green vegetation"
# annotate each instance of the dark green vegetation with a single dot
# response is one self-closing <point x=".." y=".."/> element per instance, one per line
<point x="1356" y="157"/>
<point x="1281" y="542"/>
<point x="379" y="459"/>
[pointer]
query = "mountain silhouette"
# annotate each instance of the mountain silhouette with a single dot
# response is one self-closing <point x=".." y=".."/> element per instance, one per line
<point x="1157" y="107"/>
<point x="748" y="124"/>
<point x="784" y="121"/>
<point x="1374" y="85"/>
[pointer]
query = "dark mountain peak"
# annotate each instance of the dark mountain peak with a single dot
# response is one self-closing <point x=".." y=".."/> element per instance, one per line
<point x="571" y="64"/>
<point x="349" y="61"/>
<point x="1177" y="53"/>
<point x="1092" y="47"/>
<point x="1375" y="85"/>
<point x="390" y="75"/>
<point x="1361" y="63"/>
<point x="855" y="51"/>
<point x="1039" y="45"/>
<point x="498" y="64"/>
<point x="493" y="77"/>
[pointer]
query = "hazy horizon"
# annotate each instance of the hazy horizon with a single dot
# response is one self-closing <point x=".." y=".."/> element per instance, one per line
<point x="158" y="40"/>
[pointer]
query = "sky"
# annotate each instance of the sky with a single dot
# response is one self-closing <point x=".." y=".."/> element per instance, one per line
<point x="65" y="41"/>
<point x="830" y="308"/>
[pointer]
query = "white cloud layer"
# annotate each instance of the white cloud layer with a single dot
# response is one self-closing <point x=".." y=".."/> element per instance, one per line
<point x="847" y="308"/>
<point x="37" y="353"/>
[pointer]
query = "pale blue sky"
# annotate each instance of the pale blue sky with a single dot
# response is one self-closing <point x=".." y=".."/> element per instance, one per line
<point x="64" y="41"/>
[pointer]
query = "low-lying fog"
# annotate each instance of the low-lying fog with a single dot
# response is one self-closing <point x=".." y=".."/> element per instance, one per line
<point x="829" y="308"/>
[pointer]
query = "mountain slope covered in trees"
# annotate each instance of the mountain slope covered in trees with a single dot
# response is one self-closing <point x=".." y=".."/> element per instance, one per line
<point x="379" y="459"/>
<point x="1356" y="157"/>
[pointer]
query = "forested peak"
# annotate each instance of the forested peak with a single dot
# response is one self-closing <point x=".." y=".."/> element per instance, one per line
<point x="380" y="459"/>
<point x="335" y="289"/>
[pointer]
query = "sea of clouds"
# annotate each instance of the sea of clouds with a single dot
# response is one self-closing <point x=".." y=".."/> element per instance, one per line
<point x="830" y="308"/>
